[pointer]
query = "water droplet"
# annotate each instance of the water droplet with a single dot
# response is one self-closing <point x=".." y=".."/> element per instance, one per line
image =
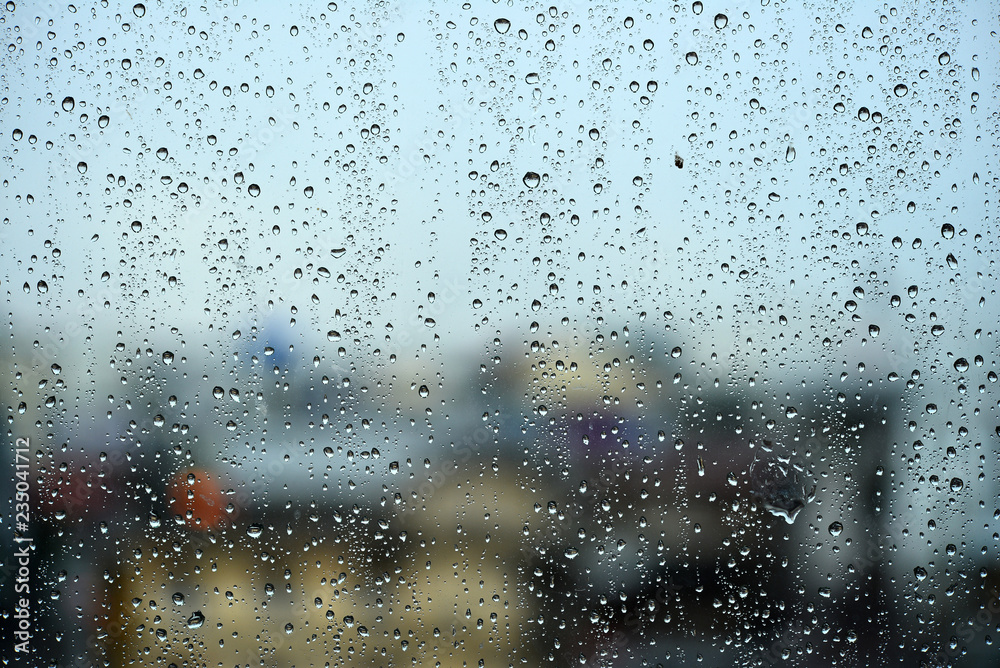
<point x="500" y="234"/>
<point x="697" y="7"/>
<point x="864" y="114"/>
<point x="790" y="154"/>
<point x="177" y="598"/>
<point x="957" y="484"/>
<point x="975" y="74"/>
<point x="136" y="226"/>
<point x="937" y="330"/>
<point x="501" y="26"/>
<point x="952" y="261"/>
<point x="691" y="58"/>
<point x="948" y="231"/>
<point x="289" y="628"/>
<point x="532" y="179"/>
<point x="423" y="391"/>
<point x="154" y="521"/>
<point x="162" y="153"/>
<point x="900" y="90"/>
<point x="81" y="167"/>
<point x="254" y="190"/>
<point x="139" y="10"/>
<point x="961" y="365"/>
<point x="944" y="58"/>
<point x="429" y="322"/>
<point x="308" y="191"/>
<point x="571" y="553"/>
<point x="647" y="44"/>
<point x="255" y="530"/>
<point x="897" y="242"/>
<point x="836" y="528"/>
<point x="873" y="330"/>
<point x="103" y="121"/>
<point x="68" y="104"/>
<point x="721" y="21"/>
<point x="196" y="620"/>
<point x="168" y="357"/>
<point x="42" y="287"/>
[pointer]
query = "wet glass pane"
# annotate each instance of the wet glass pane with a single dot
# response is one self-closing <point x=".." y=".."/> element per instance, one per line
<point x="500" y="334"/>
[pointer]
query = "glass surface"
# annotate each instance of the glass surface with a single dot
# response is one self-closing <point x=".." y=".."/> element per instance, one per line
<point x="497" y="334"/>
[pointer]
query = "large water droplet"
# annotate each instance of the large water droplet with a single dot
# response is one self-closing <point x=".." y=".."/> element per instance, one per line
<point x="68" y="104"/>
<point x="196" y="620"/>
<point x="502" y="26"/>
<point x="721" y="21"/>
<point x="900" y="90"/>
<point x="691" y="58"/>
<point x="532" y="179"/>
<point x="139" y="10"/>
<point x="255" y="530"/>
